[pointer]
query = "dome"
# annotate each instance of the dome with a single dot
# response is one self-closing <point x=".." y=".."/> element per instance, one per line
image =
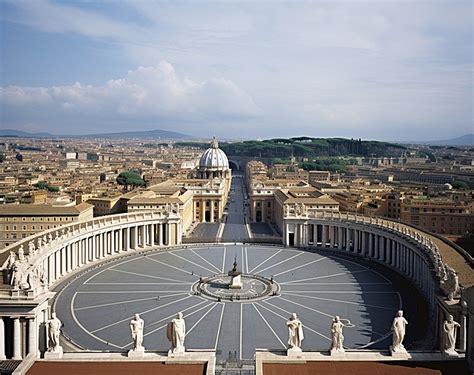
<point x="214" y="158"/>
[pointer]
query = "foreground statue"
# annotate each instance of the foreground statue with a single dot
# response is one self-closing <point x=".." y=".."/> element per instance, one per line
<point x="337" y="345"/>
<point x="295" y="333"/>
<point x="450" y="330"/>
<point x="398" y="329"/>
<point x="54" y="330"/>
<point x="176" y="334"/>
<point x="136" y="327"/>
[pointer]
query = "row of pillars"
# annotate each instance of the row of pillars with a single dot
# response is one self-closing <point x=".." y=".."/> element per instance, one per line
<point x="100" y="245"/>
<point x="17" y="348"/>
<point x="392" y="251"/>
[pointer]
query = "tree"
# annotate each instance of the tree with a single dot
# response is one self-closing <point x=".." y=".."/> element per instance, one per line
<point x="45" y="186"/>
<point x="130" y="178"/>
<point x="461" y="185"/>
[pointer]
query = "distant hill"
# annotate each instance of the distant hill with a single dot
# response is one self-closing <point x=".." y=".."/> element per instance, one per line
<point x="465" y="140"/>
<point x="19" y="133"/>
<point x="157" y="133"/>
<point x="160" y="134"/>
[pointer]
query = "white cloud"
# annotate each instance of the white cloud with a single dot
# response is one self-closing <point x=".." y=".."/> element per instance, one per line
<point x="145" y="94"/>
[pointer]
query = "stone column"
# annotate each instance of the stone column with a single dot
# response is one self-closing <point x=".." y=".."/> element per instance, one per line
<point x="127" y="235"/>
<point x="331" y="236"/>
<point x="57" y="255"/>
<point x="348" y="239"/>
<point x="63" y="258"/>
<point x="2" y="339"/>
<point x="212" y="210"/>
<point x="135" y="238"/>
<point x="381" y="248"/>
<point x="324" y="235"/>
<point x="339" y="237"/>
<point x="315" y="234"/>
<point x="142" y="236"/>
<point x="32" y="336"/>
<point x="463" y="329"/>
<point x="371" y="245"/>
<point x="153" y="234"/>
<point x="356" y="241"/>
<point x="377" y="246"/>
<point x="112" y="241"/>
<point x="363" y="250"/>
<point x="160" y="234"/>
<point x="16" y="338"/>
<point x="120" y="240"/>
<point x="150" y="234"/>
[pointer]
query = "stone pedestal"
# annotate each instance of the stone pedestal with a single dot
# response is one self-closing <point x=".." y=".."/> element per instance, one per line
<point x="293" y="352"/>
<point x="399" y="353"/>
<point x="136" y="353"/>
<point x="236" y="282"/>
<point x="450" y="353"/>
<point x="56" y="354"/>
<point x="177" y="352"/>
<point x="337" y="353"/>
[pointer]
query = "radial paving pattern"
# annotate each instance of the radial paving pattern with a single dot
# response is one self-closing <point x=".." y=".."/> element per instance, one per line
<point x="97" y="307"/>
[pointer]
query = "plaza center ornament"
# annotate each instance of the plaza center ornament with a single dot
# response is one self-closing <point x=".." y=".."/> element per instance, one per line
<point x="235" y="286"/>
<point x="236" y="279"/>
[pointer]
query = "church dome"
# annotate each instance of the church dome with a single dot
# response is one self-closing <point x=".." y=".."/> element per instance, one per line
<point x="214" y="158"/>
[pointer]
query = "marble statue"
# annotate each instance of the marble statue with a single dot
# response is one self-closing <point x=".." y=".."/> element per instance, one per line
<point x="176" y="333"/>
<point x="35" y="276"/>
<point x="295" y="333"/>
<point x="136" y="327"/>
<point x="19" y="275"/>
<point x="21" y="254"/>
<point x="31" y="247"/>
<point x="398" y="328"/>
<point x="54" y="329"/>
<point x="11" y="259"/>
<point x="337" y="345"/>
<point x="450" y="330"/>
<point x="449" y="282"/>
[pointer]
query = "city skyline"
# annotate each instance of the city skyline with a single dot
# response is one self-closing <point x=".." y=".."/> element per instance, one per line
<point x="351" y="69"/>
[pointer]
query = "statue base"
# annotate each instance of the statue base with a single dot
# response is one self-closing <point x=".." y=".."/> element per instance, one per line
<point x="176" y="352"/>
<point x="56" y="354"/>
<point x="136" y="353"/>
<point x="399" y="353"/>
<point x="236" y="282"/>
<point x="450" y="353"/>
<point x="337" y="352"/>
<point x="293" y="352"/>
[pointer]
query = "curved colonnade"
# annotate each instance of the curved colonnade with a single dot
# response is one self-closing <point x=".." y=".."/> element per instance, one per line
<point x="46" y="258"/>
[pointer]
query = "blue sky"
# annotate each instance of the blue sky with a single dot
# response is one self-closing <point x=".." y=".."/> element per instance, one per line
<point x="391" y="70"/>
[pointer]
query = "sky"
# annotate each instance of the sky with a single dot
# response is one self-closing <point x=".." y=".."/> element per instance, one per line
<point x="389" y="70"/>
